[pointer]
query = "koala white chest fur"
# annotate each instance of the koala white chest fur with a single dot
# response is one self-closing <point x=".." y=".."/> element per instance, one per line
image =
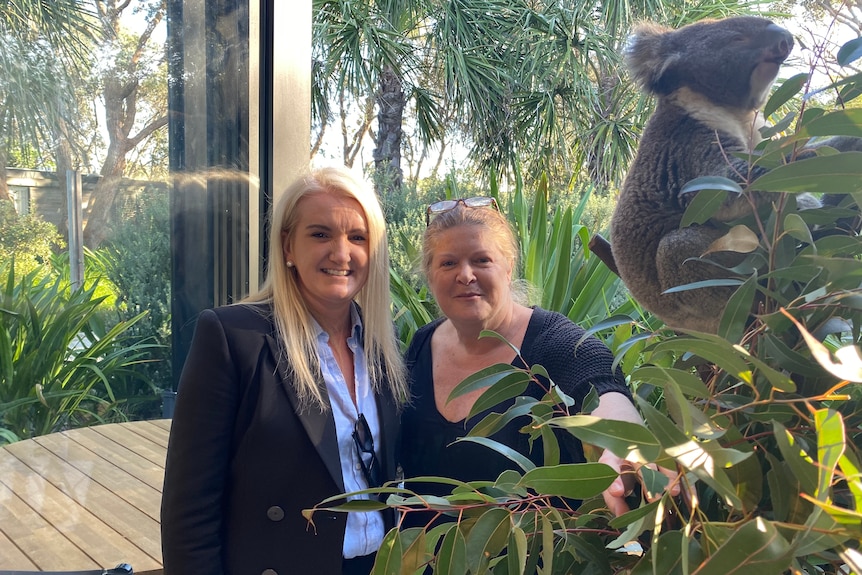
<point x="744" y="124"/>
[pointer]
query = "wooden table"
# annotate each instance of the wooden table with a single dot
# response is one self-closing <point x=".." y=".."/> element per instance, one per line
<point x="84" y="499"/>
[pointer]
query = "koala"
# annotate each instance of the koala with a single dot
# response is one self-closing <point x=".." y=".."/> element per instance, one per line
<point x="711" y="79"/>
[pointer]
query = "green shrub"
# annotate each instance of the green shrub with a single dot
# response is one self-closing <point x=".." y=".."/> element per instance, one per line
<point x="556" y="261"/>
<point x="60" y="367"/>
<point x="136" y="259"/>
<point x="26" y="239"/>
<point x="597" y="212"/>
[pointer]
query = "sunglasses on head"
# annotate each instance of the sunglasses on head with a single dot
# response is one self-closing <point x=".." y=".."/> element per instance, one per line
<point x="448" y="205"/>
<point x="364" y="442"/>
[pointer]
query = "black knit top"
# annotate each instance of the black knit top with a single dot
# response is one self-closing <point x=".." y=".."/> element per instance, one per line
<point x="550" y="340"/>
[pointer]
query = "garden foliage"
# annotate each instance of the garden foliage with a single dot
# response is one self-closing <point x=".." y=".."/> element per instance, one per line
<point x="60" y="366"/>
<point x="136" y="259"/>
<point x="763" y="421"/>
<point x="27" y="239"/>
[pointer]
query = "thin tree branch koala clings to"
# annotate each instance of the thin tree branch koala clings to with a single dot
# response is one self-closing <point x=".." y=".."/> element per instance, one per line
<point x="711" y="79"/>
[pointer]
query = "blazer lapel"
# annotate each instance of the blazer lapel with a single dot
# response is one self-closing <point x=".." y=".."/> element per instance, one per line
<point x="320" y="426"/>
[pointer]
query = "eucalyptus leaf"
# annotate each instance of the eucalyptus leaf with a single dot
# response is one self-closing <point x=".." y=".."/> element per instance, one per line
<point x="486" y="378"/>
<point x="668" y="434"/>
<point x="557" y="396"/>
<point x="847" y="363"/>
<point x="819" y="534"/>
<point x="840" y="173"/>
<point x="608" y="323"/>
<point x="850" y="52"/>
<point x="509" y="481"/>
<point x="780" y="126"/>
<point x="668" y="556"/>
<point x="739" y="239"/>
<point x="591" y="400"/>
<point x="788" y="89"/>
<point x="547" y="539"/>
<point x="754" y="548"/>
<point x="789" y="359"/>
<point x="838" y="245"/>
<point x="704" y="205"/>
<point x="516" y="556"/>
<point x="414" y="542"/>
<point x="572" y="480"/>
<point x="796" y="227"/>
<point x="846" y="122"/>
<point x="783" y="493"/>
<point x="627" y="440"/>
<point x="522" y="462"/>
<point x="704" y="284"/>
<point x="713" y="349"/>
<point x="853" y="475"/>
<point x="711" y="183"/>
<point x="797" y="459"/>
<point x="655" y="482"/>
<point x="831" y="441"/>
<point x="698" y="458"/>
<point x="779" y="380"/>
<point x="644" y="511"/>
<point x="736" y="314"/>
<point x="452" y="557"/>
<point x="506" y="388"/>
<point x="387" y="561"/>
<point x="356" y="506"/>
<point x="688" y="383"/>
<point x="487" y="538"/>
<point x="494" y="422"/>
<point x="495" y="335"/>
<point x="849" y="519"/>
<point x="550" y="447"/>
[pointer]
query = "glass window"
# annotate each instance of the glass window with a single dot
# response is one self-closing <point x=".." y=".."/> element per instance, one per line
<point x="169" y="113"/>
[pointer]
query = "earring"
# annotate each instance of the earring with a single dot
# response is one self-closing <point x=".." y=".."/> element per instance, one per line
<point x="288" y="263"/>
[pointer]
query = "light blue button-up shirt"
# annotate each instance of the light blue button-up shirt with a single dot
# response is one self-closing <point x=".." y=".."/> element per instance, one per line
<point x="364" y="531"/>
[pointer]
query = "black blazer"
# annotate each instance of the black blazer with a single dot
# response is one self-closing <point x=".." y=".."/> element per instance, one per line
<point x="243" y="461"/>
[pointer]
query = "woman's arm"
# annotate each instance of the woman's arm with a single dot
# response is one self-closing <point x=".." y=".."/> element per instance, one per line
<point x="617" y="406"/>
<point x="198" y="456"/>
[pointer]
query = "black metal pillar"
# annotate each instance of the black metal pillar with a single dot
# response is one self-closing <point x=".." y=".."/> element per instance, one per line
<point x="208" y="101"/>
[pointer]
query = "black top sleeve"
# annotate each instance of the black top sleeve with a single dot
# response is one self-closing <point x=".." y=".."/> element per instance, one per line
<point x="554" y="342"/>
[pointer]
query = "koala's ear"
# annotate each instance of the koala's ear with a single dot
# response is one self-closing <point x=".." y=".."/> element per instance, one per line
<point x="647" y="56"/>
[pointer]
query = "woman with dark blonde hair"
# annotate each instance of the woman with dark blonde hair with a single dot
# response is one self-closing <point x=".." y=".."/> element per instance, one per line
<point x="469" y="255"/>
<point x="290" y="397"/>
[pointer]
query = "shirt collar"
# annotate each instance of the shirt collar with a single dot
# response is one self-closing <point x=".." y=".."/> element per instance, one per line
<point x="355" y="329"/>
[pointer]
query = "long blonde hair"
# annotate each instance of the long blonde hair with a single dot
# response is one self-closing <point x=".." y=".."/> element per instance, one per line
<point x="292" y="318"/>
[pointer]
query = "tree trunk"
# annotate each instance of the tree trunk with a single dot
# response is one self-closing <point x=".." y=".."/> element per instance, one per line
<point x="120" y="111"/>
<point x="102" y="199"/>
<point x="120" y="93"/>
<point x="63" y="154"/>
<point x="387" y="153"/>
<point x="4" y="186"/>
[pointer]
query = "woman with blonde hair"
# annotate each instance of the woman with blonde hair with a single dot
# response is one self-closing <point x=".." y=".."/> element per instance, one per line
<point x="290" y="397"/>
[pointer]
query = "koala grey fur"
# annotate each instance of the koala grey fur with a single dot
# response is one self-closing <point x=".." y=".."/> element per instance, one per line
<point x="711" y="79"/>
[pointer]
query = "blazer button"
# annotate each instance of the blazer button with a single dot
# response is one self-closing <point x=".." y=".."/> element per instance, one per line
<point x="269" y="572"/>
<point x="275" y="513"/>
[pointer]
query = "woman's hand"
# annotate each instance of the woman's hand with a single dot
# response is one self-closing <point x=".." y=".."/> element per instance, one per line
<point x="623" y="486"/>
<point x="617" y="406"/>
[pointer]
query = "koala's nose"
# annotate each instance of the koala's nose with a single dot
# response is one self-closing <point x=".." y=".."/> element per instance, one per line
<point x="782" y="40"/>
